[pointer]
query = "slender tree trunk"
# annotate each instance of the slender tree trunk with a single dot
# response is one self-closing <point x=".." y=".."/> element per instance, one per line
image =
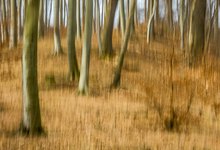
<point x="84" y="75"/>
<point x="13" y="25"/>
<point x="182" y="22"/>
<point x="71" y="30"/>
<point x="117" y="75"/>
<point x="4" y="22"/>
<point x="31" y="118"/>
<point x="50" y="13"/>
<point x="150" y="26"/>
<point x="19" y="20"/>
<point x="216" y="21"/>
<point x="78" y="19"/>
<point x="169" y="14"/>
<point x="122" y="17"/>
<point x="197" y="31"/>
<point x="98" y="26"/>
<point x="41" y="20"/>
<point x="61" y="14"/>
<point x="57" y="42"/>
<point x="107" y="49"/>
<point x="45" y="14"/>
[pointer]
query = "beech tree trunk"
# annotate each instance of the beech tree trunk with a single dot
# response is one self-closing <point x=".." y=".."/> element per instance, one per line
<point x="4" y="22"/>
<point x="107" y="49"/>
<point x="31" y="118"/>
<point x="78" y="19"/>
<point x="197" y="31"/>
<point x="117" y="75"/>
<point x="13" y="25"/>
<point x="122" y="17"/>
<point x="71" y="30"/>
<point x="41" y="20"/>
<point x="84" y="74"/>
<point x="57" y="42"/>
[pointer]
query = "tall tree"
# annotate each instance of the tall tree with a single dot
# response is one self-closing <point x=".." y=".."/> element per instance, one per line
<point x="182" y="22"/>
<point x="216" y="20"/>
<point x="169" y="14"/>
<point x="31" y="118"/>
<point x="150" y="25"/>
<point x="197" y="31"/>
<point x="122" y="17"/>
<point x="41" y="20"/>
<point x="84" y="74"/>
<point x="71" y="30"/>
<point x="19" y="20"/>
<point x="98" y="26"/>
<point x="78" y="20"/>
<point x="107" y="49"/>
<point x="117" y="75"/>
<point x="4" y="21"/>
<point x="57" y="42"/>
<point x="13" y="25"/>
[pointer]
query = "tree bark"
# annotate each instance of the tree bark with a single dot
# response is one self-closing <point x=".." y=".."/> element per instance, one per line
<point x="41" y="20"/>
<point x="197" y="31"/>
<point x="4" y="22"/>
<point x="122" y="17"/>
<point x="150" y="26"/>
<point x="78" y="19"/>
<point x="13" y="25"/>
<point x="169" y="14"/>
<point x="57" y="42"/>
<point x="216" y="21"/>
<point x="84" y="75"/>
<point x="98" y="26"/>
<point x="107" y="49"/>
<point x="117" y="75"/>
<point x="182" y="22"/>
<point x="31" y="118"/>
<point x="19" y="20"/>
<point x="71" y="30"/>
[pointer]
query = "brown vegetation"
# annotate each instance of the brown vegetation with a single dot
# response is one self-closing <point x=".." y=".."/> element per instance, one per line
<point x="138" y="115"/>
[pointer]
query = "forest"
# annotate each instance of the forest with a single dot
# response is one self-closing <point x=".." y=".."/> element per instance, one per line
<point x="109" y="74"/>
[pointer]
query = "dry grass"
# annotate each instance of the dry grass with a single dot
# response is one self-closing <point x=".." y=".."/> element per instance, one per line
<point x="136" y="116"/>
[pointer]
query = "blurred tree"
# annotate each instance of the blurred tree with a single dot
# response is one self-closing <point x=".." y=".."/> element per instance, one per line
<point x="31" y="118"/>
<point x="197" y="31"/>
<point x="117" y="75"/>
<point x="57" y="42"/>
<point x="13" y="25"/>
<point x="84" y="72"/>
<point x="71" y="30"/>
<point x="41" y="20"/>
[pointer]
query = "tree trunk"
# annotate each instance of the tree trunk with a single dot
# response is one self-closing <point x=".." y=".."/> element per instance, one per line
<point x="71" y="30"/>
<point x="13" y="26"/>
<point x="31" y="118"/>
<point x="78" y="19"/>
<point x="216" y="21"/>
<point x="150" y="26"/>
<point x="107" y="49"/>
<point x="197" y="31"/>
<point x="169" y="14"/>
<point x="98" y="26"/>
<point x="4" y="22"/>
<point x="84" y="75"/>
<point x="57" y="42"/>
<point x="117" y="75"/>
<point x="19" y="20"/>
<point x="41" y="20"/>
<point x="182" y="22"/>
<point x="122" y="17"/>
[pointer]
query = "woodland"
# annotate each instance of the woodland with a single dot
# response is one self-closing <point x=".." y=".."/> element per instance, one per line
<point x="109" y="74"/>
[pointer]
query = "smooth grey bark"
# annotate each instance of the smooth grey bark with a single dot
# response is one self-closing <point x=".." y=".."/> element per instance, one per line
<point x="216" y="28"/>
<point x="13" y="25"/>
<point x="19" y="20"/>
<point x="84" y="72"/>
<point x="117" y="75"/>
<point x="107" y="49"/>
<point x="197" y="31"/>
<point x="41" y="20"/>
<point x="122" y="17"/>
<point x="71" y="30"/>
<point x="79" y="33"/>
<point x="169" y="14"/>
<point x="4" y="22"/>
<point x="150" y="25"/>
<point x="57" y="42"/>
<point x="31" y="118"/>
<point x="98" y="26"/>
<point x="182" y="22"/>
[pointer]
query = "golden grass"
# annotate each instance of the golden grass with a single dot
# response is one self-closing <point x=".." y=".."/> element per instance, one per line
<point x="131" y="117"/>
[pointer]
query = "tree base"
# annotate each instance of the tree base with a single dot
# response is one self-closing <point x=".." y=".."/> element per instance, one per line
<point x="39" y="131"/>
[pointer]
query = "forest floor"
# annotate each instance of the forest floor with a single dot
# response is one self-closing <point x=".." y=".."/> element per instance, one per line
<point x="138" y="115"/>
